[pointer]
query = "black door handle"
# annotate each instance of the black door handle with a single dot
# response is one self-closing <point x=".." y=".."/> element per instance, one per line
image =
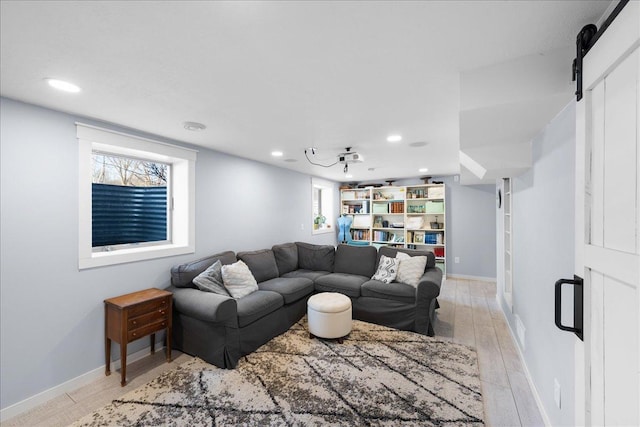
<point x="577" y="284"/>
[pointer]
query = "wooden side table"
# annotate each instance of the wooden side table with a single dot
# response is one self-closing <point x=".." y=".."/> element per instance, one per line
<point x="132" y="316"/>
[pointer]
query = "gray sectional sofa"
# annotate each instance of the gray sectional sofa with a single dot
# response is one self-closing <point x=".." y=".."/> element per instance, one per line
<point x="221" y="330"/>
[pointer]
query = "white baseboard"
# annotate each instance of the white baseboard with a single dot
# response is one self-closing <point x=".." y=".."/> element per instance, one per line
<point x="467" y="277"/>
<point x="72" y="384"/>
<point x="527" y="374"/>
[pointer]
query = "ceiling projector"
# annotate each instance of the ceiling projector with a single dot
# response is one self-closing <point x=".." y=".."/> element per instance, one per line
<point x="350" y="157"/>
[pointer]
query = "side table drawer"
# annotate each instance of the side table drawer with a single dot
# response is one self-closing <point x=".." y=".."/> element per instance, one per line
<point x="149" y="306"/>
<point x="134" y="334"/>
<point x="146" y="319"/>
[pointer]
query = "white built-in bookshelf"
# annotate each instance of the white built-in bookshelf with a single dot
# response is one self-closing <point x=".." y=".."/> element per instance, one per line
<point x="412" y="217"/>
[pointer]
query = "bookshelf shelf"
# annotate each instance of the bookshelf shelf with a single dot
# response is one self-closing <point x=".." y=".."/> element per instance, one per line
<point x="415" y="207"/>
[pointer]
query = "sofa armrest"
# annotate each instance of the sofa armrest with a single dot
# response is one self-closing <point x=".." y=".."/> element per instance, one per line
<point x="205" y="306"/>
<point x="429" y="284"/>
<point x="426" y="303"/>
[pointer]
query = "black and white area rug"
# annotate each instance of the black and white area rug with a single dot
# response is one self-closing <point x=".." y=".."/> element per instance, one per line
<point x="377" y="376"/>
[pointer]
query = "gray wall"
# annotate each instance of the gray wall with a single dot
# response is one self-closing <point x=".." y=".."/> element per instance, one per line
<point x="543" y="252"/>
<point x="471" y="229"/>
<point x="51" y="314"/>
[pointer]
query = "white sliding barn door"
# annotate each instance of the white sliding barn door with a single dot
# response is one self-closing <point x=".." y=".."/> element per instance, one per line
<point x="611" y="251"/>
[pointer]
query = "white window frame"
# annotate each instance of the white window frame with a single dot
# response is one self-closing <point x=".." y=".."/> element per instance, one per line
<point x="327" y="195"/>
<point x="182" y="224"/>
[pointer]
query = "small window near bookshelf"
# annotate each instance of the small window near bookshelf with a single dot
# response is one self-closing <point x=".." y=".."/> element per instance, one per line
<point x="322" y="206"/>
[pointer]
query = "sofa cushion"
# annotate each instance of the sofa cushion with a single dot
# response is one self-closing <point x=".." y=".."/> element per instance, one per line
<point x="257" y="305"/>
<point x="391" y="252"/>
<point x="262" y="264"/>
<point x="291" y="289"/>
<point x="348" y="284"/>
<point x="182" y="275"/>
<point x="238" y="280"/>
<point x="360" y="260"/>
<point x="286" y="257"/>
<point x="315" y="257"/>
<point x="211" y="280"/>
<point x="392" y="291"/>
<point x="308" y="274"/>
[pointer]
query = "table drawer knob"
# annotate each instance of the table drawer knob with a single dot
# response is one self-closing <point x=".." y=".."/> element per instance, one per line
<point x="134" y="334"/>
<point x="135" y="322"/>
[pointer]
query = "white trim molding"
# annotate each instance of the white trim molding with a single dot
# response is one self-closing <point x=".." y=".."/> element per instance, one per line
<point x="182" y="225"/>
<point x="71" y="385"/>
<point x="468" y="277"/>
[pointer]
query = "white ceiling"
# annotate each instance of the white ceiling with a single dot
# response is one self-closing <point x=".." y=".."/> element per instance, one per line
<point x="266" y="76"/>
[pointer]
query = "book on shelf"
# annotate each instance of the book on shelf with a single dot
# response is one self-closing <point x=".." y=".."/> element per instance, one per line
<point x="360" y="234"/>
<point x="431" y="238"/>
<point x="396" y="207"/>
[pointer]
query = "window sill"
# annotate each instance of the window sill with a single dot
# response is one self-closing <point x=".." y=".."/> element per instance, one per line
<point x="122" y="256"/>
<point x="322" y="231"/>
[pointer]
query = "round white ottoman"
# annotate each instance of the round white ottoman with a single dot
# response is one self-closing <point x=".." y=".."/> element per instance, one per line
<point x="329" y="315"/>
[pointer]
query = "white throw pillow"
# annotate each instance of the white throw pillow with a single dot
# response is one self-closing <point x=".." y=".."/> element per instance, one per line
<point x="387" y="269"/>
<point x="411" y="268"/>
<point x="238" y="279"/>
<point x="402" y="255"/>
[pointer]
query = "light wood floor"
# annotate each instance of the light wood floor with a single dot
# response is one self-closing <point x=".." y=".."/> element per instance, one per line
<point x="468" y="314"/>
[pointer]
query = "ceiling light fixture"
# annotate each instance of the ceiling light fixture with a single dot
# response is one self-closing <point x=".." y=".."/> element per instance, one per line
<point x="277" y="153"/>
<point x="394" y="138"/>
<point x="348" y="175"/>
<point x="423" y="170"/>
<point x="63" y="86"/>
<point x="418" y="144"/>
<point x="194" y="126"/>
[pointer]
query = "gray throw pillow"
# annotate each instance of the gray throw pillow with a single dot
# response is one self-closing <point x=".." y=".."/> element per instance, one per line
<point x="210" y="280"/>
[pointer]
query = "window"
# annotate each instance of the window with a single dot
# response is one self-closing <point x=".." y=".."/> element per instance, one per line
<point x="322" y="206"/>
<point x="129" y="202"/>
<point x="136" y="198"/>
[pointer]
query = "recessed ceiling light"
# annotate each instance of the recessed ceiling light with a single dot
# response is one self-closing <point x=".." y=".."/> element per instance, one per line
<point x="394" y="138"/>
<point x="277" y="153"/>
<point x="348" y="175"/>
<point x="291" y="160"/>
<point x="63" y="86"/>
<point x="418" y="144"/>
<point x="423" y="170"/>
<point x="194" y="126"/>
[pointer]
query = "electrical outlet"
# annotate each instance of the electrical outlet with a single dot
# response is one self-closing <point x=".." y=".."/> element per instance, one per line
<point x="556" y="392"/>
<point x="456" y="178"/>
<point x="457" y="260"/>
